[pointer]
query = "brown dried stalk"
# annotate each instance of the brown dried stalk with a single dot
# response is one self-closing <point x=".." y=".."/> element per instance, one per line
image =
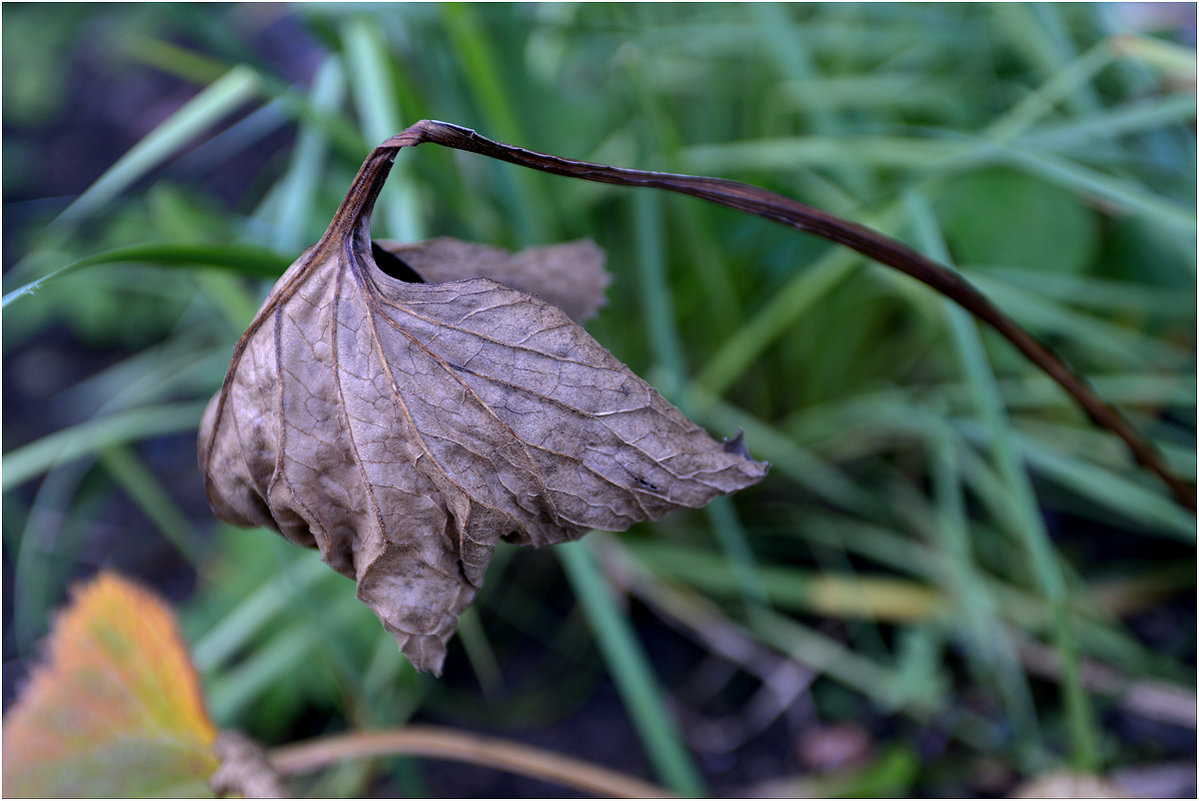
<point x="789" y="212"/>
<point x="442" y="743"/>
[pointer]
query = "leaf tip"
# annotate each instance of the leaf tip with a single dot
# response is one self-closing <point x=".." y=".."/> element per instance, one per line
<point x="736" y="446"/>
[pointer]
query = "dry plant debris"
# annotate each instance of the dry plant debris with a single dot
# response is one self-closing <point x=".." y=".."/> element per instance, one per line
<point x="404" y="428"/>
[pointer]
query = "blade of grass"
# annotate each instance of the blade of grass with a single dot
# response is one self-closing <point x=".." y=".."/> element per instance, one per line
<point x="940" y="154"/>
<point x="1147" y="389"/>
<point x="880" y="151"/>
<point x="773" y="445"/>
<point x="788" y="48"/>
<point x="230" y="692"/>
<point x="824" y="593"/>
<point x="246" y="259"/>
<point x="1097" y="334"/>
<point x="232" y="90"/>
<point x="1021" y="117"/>
<point x="48" y="546"/>
<point x="1030" y="532"/>
<point x="479" y="652"/>
<point x="1099" y="485"/>
<point x="1042" y="36"/>
<point x="1093" y="447"/>
<point x="1177" y="219"/>
<point x="1113" y="122"/>
<point x="131" y="473"/>
<point x="1093" y="292"/>
<point x="721" y="290"/>
<point x="788" y="303"/>
<point x="303" y="174"/>
<point x="809" y="647"/>
<point x="230" y="634"/>
<point x="195" y="66"/>
<point x="168" y="57"/>
<point x="809" y="431"/>
<point x="483" y="74"/>
<point x="1174" y="60"/>
<point x="992" y="653"/>
<point x="640" y="689"/>
<point x="800" y="293"/>
<point x="909" y="90"/>
<point x="154" y="375"/>
<point x="376" y="101"/>
<point x="668" y="351"/>
<point x="28" y="461"/>
<point x="1021" y="611"/>
<point x="656" y="302"/>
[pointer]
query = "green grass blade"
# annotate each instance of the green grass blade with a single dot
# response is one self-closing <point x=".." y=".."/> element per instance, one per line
<point x="378" y="109"/>
<point x="1104" y="487"/>
<point x="993" y="653"/>
<point x="773" y="445"/>
<point x="484" y="73"/>
<point x="832" y="594"/>
<point x="131" y="473"/>
<point x="1093" y="293"/>
<point x="656" y="302"/>
<point x="1040" y="102"/>
<point x="232" y="90"/>
<point x="28" y="461"/>
<point x="220" y="643"/>
<point x="640" y="689"/>
<point x="668" y="351"/>
<point x="1174" y="60"/>
<point x="1128" y="195"/>
<point x="1099" y="447"/>
<point x="810" y="647"/>
<point x="1030" y="531"/>
<point x="874" y="150"/>
<point x="303" y="175"/>
<point x="46" y="547"/>
<point x="228" y="694"/>
<point x="1093" y="334"/>
<point x="1113" y="122"/>
<point x="480" y="653"/>
<point x="1038" y="31"/>
<point x="247" y="259"/>
<point x="797" y="295"/>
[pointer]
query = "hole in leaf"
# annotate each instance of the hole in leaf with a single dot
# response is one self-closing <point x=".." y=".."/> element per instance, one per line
<point x="393" y="265"/>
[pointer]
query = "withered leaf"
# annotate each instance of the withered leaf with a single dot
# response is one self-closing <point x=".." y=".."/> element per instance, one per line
<point x="570" y="276"/>
<point x="405" y="428"/>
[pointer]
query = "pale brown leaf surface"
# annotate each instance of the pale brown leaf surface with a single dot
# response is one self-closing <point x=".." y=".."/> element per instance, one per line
<point x="570" y="276"/>
<point x="405" y="428"/>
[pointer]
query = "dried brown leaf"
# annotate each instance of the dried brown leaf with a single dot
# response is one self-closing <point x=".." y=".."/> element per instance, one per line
<point x="405" y="428"/>
<point x="570" y="276"/>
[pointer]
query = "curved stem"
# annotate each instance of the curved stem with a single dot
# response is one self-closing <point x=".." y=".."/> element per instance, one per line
<point x="442" y="743"/>
<point x="786" y="211"/>
<point x="353" y="216"/>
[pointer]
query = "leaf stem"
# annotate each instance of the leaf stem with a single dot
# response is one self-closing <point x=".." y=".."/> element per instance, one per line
<point x="443" y="743"/>
<point x="784" y="210"/>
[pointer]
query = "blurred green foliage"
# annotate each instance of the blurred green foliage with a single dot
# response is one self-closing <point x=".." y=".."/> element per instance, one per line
<point x="1048" y="151"/>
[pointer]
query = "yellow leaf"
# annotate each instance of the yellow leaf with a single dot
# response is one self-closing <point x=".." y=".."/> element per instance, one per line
<point x="115" y="709"/>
